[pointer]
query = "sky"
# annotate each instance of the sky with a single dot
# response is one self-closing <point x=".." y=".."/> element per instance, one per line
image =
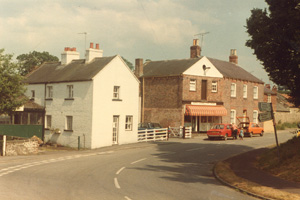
<point x="148" y="29"/>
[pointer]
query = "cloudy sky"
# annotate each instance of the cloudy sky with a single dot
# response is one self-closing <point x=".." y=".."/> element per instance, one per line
<point x="148" y="29"/>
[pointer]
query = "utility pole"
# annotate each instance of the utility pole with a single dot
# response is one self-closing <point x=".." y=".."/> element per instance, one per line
<point x="202" y="35"/>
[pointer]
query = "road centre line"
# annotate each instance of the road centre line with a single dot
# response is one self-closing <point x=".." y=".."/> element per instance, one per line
<point x="119" y="171"/>
<point x="116" y="183"/>
<point x="138" y="161"/>
<point x="195" y="149"/>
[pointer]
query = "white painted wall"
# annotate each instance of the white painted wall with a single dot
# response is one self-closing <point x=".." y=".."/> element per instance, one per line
<point x="197" y="69"/>
<point x="116" y="73"/>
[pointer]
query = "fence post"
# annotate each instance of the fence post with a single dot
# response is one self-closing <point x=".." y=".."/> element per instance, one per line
<point x="183" y="132"/>
<point x="4" y="145"/>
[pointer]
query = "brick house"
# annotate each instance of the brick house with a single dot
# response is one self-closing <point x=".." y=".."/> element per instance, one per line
<point x="198" y="91"/>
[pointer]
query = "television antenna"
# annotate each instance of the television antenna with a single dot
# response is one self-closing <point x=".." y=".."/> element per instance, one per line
<point x="202" y="35"/>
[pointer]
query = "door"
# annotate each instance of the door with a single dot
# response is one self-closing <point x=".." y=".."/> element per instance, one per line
<point x="115" y="129"/>
<point x="204" y="90"/>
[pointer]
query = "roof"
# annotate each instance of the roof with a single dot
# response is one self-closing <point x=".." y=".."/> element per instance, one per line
<point x="77" y="70"/>
<point x="32" y="105"/>
<point x="268" y="91"/>
<point x="178" y="67"/>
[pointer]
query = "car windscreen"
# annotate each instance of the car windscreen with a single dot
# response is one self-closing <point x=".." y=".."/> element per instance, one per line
<point x="218" y="126"/>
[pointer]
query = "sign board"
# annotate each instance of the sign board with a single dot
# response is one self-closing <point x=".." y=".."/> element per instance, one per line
<point x="265" y="116"/>
<point x="263" y="106"/>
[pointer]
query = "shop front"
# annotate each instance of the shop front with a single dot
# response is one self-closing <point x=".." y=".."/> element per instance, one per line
<point x="202" y="117"/>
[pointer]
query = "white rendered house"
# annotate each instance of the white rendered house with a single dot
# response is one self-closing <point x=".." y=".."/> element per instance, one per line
<point x="95" y="99"/>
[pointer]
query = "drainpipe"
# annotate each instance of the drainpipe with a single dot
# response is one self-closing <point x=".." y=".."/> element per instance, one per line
<point x="143" y="106"/>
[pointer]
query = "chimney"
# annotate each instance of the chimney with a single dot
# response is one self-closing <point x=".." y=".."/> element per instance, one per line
<point x="233" y="58"/>
<point x="92" y="53"/>
<point x="139" y="67"/>
<point x="274" y="89"/>
<point x="268" y="86"/>
<point x="68" y="55"/>
<point x="195" y="49"/>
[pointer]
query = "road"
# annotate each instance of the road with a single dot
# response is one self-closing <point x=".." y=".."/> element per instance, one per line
<point x="174" y="169"/>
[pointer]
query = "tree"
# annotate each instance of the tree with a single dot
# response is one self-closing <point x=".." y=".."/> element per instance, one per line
<point x="129" y="64"/>
<point x="275" y="39"/>
<point x="29" y="61"/>
<point x="11" y="87"/>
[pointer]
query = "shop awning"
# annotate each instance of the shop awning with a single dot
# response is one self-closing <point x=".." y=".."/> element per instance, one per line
<point x="195" y="110"/>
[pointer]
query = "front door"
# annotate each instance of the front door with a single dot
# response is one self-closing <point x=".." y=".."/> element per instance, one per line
<point x="115" y="129"/>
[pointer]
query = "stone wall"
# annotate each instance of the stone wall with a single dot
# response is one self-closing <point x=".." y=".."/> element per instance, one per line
<point x="290" y="117"/>
<point x="21" y="147"/>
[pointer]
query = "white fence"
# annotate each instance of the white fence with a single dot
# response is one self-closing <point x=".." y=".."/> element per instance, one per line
<point x="178" y="132"/>
<point x="152" y="135"/>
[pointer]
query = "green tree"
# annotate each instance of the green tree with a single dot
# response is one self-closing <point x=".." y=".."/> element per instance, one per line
<point x="29" y="61"/>
<point x="11" y="87"/>
<point x="129" y="64"/>
<point x="275" y="39"/>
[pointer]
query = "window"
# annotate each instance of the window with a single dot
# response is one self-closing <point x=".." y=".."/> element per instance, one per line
<point x="70" y="92"/>
<point x="128" y="123"/>
<point x="116" y="93"/>
<point x="69" y="123"/>
<point x="49" y="94"/>
<point x="245" y="91"/>
<point x="193" y="85"/>
<point x="32" y="94"/>
<point x="255" y="92"/>
<point x="48" y="121"/>
<point x="269" y="98"/>
<point x="233" y="90"/>
<point x="232" y="116"/>
<point x="255" y="116"/>
<point x="214" y="86"/>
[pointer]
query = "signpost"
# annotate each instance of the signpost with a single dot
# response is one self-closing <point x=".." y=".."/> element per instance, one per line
<point x="266" y="115"/>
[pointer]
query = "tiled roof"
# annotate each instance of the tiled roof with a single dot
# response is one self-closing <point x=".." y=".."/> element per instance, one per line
<point x="177" y="67"/>
<point x="77" y="70"/>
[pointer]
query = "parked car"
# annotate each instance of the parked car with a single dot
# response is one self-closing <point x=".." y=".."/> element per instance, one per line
<point x="220" y="131"/>
<point x="250" y="128"/>
<point x="149" y="125"/>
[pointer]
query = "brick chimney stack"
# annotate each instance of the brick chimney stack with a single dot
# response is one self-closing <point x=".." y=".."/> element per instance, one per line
<point x="139" y="68"/>
<point x="233" y="58"/>
<point x="195" y="49"/>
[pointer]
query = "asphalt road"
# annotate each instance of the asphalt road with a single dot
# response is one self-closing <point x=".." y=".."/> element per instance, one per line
<point x="174" y="169"/>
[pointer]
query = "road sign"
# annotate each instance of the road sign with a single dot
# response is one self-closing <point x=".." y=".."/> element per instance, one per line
<point x="265" y="116"/>
<point x="263" y="106"/>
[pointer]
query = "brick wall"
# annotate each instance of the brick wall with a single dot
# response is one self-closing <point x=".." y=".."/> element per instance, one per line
<point x="166" y="117"/>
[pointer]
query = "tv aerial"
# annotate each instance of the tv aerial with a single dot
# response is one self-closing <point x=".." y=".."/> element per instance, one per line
<point x="202" y="35"/>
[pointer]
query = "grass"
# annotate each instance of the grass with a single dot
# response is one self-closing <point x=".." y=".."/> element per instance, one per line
<point x="287" y="166"/>
<point x="225" y="173"/>
<point x="283" y="126"/>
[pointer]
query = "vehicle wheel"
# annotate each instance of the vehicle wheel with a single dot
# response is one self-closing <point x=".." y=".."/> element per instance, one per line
<point x="262" y="134"/>
<point x="250" y="134"/>
<point x="226" y="135"/>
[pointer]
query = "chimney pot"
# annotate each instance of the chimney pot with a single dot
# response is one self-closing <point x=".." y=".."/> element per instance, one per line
<point x="67" y="48"/>
<point x="97" y="46"/>
<point x="91" y="45"/>
<point x="233" y="58"/>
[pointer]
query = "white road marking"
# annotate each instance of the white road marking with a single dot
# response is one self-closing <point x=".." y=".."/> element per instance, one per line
<point x="127" y="198"/>
<point x="118" y="172"/>
<point x="195" y="149"/>
<point x="116" y="183"/>
<point x="138" y="161"/>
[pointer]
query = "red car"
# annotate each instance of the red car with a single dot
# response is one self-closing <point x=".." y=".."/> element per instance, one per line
<point x="220" y="131"/>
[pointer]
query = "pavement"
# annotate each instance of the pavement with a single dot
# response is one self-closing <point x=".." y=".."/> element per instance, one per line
<point x="243" y="166"/>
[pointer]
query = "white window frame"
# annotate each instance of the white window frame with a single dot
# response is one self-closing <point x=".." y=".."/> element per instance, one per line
<point x="49" y="92"/>
<point x="128" y="122"/>
<point x="32" y="94"/>
<point x="255" y="92"/>
<point x="255" y="116"/>
<point x="233" y="90"/>
<point x="116" y="92"/>
<point x="69" y="123"/>
<point x="70" y="91"/>
<point x="245" y="87"/>
<point x="193" y="84"/>
<point x="269" y="100"/>
<point x="232" y="116"/>
<point x="214" y="86"/>
<point x="48" y="121"/>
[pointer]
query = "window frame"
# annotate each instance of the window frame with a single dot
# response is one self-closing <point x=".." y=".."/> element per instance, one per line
<point x="232" y="118"/>
<point x="70" y="92"/>
<point x="48" y="121"/>
<point x="69" y="123"/>
<point x="116" y="92"/>
<point x="255" y="92"/>
<point x="245" y="91"/>
<point x="32" y="94"/>
<point x="214" y="86"/>
<point x="128" y="122"/>
<point x="193" y="85"/>
<point x="255" y="116"/>
<point x="233" y="92"/>
<point x="49" y="92"/>
<point x="269" y="98"/>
